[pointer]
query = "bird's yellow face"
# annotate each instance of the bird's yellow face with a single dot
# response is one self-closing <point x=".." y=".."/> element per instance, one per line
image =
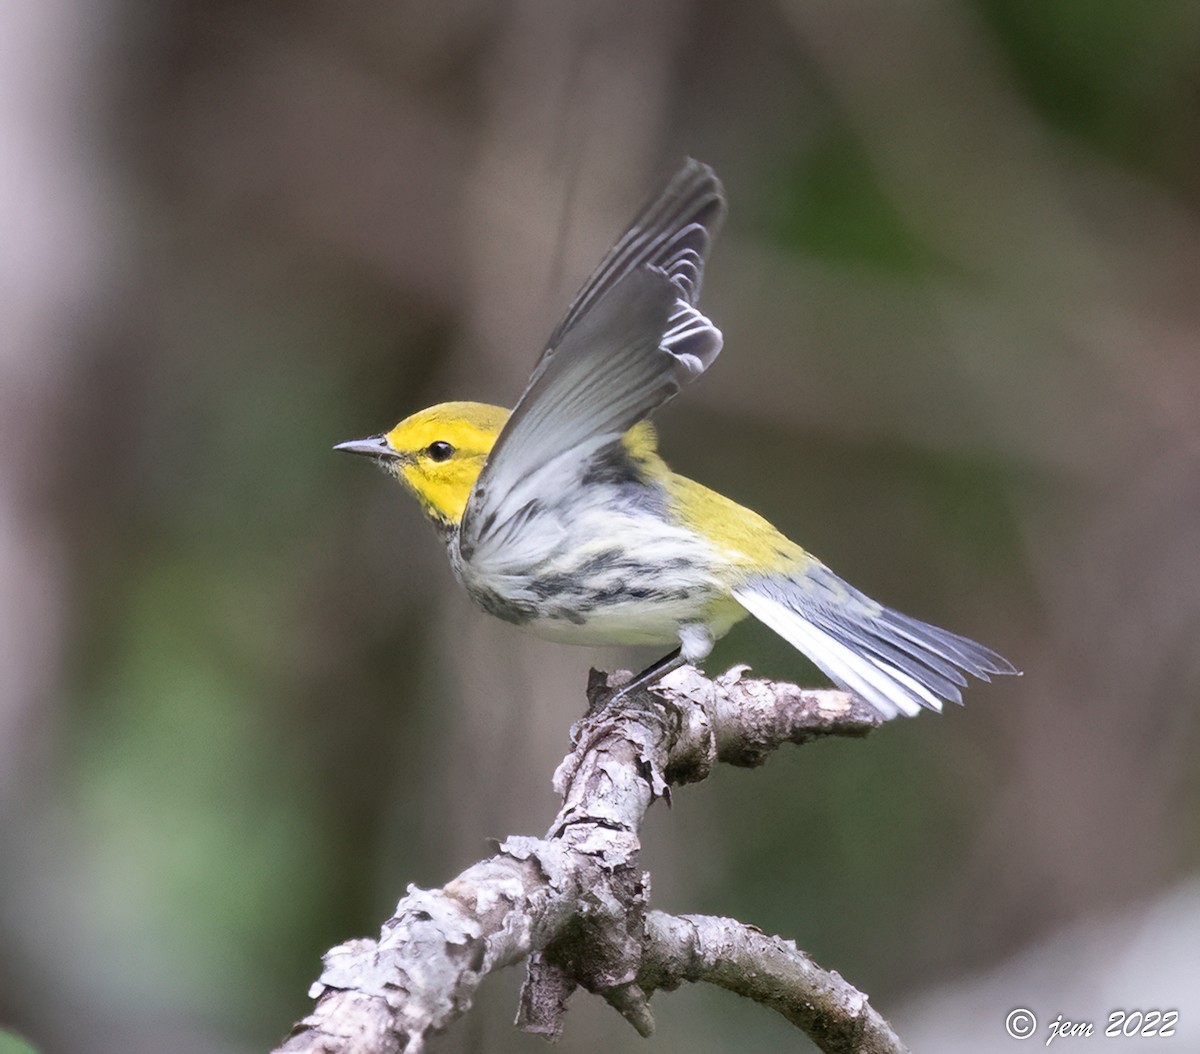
<point x="438" y="454"/>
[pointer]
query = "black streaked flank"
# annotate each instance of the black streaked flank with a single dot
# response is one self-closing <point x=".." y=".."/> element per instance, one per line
<point x="551" y="585"/>
<point x="508" y="609"/>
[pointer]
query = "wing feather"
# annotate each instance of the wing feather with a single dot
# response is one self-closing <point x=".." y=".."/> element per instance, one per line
<point x="630" y="339"/>
<point x="672" y="231"/>
<point x="611" y="370"/>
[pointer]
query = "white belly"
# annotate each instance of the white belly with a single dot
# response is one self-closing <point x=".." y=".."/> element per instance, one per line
<point x="606" y="578"/>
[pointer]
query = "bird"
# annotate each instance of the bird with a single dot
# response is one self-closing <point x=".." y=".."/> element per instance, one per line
<point x="562" y="518"/>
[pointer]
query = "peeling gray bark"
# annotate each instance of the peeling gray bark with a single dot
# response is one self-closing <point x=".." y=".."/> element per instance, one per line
<point x="575" y="903"/>
<point x="769" y="970"/>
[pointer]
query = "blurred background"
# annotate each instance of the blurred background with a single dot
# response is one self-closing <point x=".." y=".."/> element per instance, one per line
<point x="243" y="702"/>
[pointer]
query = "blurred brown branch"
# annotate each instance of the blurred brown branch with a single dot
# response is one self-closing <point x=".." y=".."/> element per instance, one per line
<point x="576" y="900"/>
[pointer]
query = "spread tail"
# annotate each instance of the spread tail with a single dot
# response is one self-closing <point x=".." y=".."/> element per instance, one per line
<point x="897" y="664"/>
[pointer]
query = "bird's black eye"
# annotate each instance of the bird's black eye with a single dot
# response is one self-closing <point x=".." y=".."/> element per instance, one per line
<point x="439" y="451"/>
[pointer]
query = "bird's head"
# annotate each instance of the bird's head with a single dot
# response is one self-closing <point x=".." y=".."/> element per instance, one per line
<point x="437" y="454"/>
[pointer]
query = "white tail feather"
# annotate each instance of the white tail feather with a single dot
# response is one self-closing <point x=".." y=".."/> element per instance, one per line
<point x="876" y="681"/>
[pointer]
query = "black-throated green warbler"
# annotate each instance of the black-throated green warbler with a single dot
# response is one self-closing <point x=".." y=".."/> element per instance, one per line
<point x="562" y="518"/>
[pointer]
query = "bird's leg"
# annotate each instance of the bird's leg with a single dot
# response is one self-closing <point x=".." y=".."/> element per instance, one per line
<point x="656" y="671"/>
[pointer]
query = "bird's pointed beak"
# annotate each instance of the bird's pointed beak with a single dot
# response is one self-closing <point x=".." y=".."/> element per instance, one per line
<point x="375" y="446"/>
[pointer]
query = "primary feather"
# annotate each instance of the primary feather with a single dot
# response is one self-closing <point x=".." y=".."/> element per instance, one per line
<point x="673" y="231"/>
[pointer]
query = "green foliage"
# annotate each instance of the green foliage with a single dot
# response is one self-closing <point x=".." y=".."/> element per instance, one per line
<point x="10" y="1043"/>
<point x="1119" y="75"/>
<point x="191" y="809"/>
<point x="829" y="203"/>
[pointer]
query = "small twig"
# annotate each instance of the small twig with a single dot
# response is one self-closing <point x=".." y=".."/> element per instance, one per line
<point x="769" y="970"/>
<point x="576" y="900"/>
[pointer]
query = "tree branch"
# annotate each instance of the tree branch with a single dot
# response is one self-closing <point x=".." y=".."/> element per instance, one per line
<point x="768" y="970"/>
<point x="575" y="902"/>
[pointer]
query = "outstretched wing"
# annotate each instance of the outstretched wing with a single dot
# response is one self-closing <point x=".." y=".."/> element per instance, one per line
<point x="630" y="340"/>
<point x="896" y="663"/>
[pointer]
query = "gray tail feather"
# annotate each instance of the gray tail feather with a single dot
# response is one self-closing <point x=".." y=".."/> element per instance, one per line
<point x="896" y="663"/>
